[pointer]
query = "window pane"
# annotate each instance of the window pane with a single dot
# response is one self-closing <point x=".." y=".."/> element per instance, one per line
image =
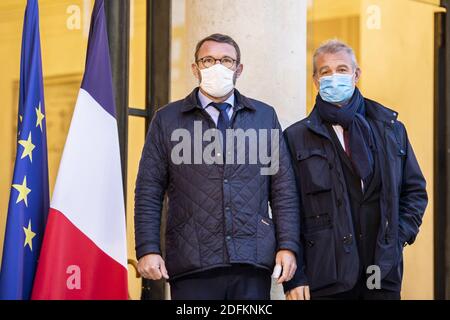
<point x="138" y="18"/>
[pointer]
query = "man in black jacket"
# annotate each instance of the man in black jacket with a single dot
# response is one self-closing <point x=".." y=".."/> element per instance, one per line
<point x="362" y="192"/>
<point x="221" y="241"/>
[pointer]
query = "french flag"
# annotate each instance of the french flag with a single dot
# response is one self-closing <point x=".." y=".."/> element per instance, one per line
<point x="83" y="254"/>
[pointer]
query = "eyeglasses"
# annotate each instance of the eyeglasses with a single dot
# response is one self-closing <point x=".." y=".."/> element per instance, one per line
<point x="208" y="62"/>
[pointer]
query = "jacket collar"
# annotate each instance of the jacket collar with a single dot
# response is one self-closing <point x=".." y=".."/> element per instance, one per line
<point x="191" y="102"/>
<point x="374" y="111"/>
<point x="315" y="123"/>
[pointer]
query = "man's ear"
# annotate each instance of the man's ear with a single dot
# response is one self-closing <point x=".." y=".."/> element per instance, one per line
<point x="316" y="81"/>
<point x="239" y="70"/>
<point x="196" y="72"/>
<point x="358" y="73"/>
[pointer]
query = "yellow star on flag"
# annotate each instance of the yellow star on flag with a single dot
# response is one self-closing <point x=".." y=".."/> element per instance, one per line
<point x="28" y="147"/>
<point x="40" y="116"/>
<point x="29" y="235"/>
<point x="23" y="191"/>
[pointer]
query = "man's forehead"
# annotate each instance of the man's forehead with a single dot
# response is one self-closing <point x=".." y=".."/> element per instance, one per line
<point x="338" y="58"/>
<point x="213" y="48"/>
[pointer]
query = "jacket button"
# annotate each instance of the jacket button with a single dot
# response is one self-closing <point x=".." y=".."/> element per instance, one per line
<point x="225" y="181"/>
<point x="228" y="238"/>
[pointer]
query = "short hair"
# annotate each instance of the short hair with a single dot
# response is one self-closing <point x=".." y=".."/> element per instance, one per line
<point x="331" y="47"/>
<point x="221" y="38"/>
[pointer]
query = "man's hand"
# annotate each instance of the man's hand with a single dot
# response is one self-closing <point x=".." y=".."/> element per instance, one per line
<point x="299" y="293"/>
<point x="285" y="260"/>
<point x="152" y="267"/>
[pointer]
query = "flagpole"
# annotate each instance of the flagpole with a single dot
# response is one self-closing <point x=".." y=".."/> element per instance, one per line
<point x="118" y="28"/>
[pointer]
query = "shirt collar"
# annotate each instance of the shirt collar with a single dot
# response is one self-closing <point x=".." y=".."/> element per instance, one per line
<point x="205" y="101"/>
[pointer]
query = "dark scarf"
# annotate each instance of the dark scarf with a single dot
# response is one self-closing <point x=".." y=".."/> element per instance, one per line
<point x="352" y="118"/>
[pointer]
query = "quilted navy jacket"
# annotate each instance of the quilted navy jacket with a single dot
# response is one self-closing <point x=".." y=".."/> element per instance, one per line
<point x="217" y="214"/>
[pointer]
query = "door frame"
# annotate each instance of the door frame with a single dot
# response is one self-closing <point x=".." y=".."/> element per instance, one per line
<point x="442" y="155"/>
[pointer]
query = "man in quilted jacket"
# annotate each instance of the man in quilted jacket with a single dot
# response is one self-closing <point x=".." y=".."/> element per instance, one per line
<point x="221" y="159"/>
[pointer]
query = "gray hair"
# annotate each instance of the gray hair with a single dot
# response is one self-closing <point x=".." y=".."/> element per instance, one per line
<point x="331" y="47"/>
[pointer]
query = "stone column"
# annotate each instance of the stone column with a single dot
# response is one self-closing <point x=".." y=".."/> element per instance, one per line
<point x="272" y="38"/>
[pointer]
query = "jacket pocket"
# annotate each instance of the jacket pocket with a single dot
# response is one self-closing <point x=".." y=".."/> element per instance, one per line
<point x="320" y="258"/>
<point x="314" y="170"/>
<point x="181" y="248"/>
<point x="266" y="242"/>
<point x="314" y="222"/>
<point x="317" y="196"/>
<point x="395" y="274"/>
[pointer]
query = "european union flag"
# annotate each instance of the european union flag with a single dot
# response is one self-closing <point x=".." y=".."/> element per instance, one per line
<point x="29" y="197"/>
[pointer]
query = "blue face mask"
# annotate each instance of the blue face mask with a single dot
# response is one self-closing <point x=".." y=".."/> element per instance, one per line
<point x="337" y="88"/>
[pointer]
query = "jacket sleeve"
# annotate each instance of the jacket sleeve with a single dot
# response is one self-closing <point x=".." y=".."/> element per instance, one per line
<point x="283" y="195"/>
<point x="300" y="278"/>
<point x="413" y="196"/>
<point x="151" y="184"/>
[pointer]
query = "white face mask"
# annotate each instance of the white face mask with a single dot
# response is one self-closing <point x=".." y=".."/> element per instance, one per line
<point x="217" y="81"/>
